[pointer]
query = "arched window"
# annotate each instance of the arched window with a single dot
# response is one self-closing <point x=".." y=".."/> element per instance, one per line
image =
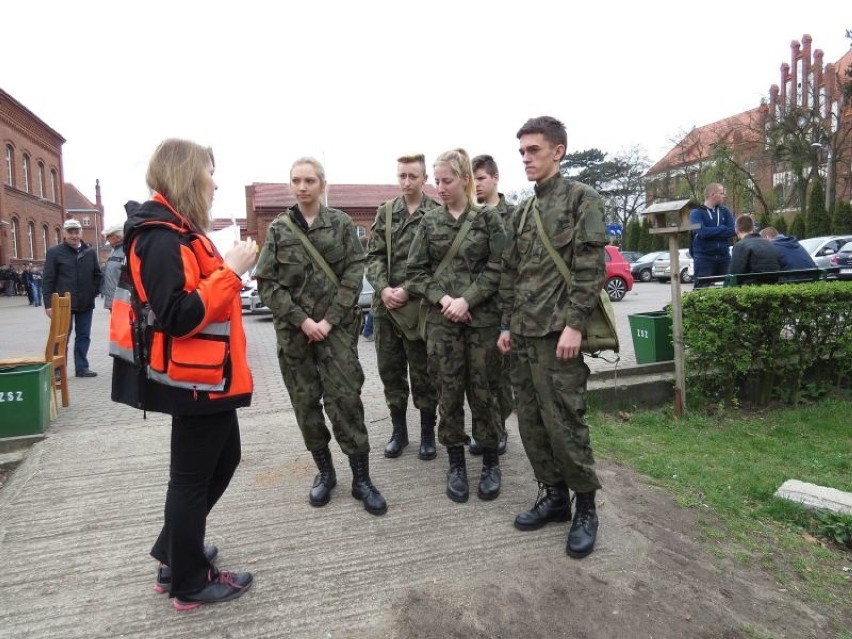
<point x="41" y="180"/>
<point x="54" y="187"/>
<point x="57" y="236"/>
<point x="15" y="236"/>
<point x="31" y="239"/>
<point x="44" y="239"/>
<point x="10" y="165"/>
<point x="26" y="173"/>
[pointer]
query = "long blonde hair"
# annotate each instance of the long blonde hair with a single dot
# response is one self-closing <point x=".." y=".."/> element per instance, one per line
<point x="174" y="172"/>
<point x="459" y="162"/>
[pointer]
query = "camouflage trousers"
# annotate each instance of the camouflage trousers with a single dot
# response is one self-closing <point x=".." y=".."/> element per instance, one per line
<point x="325" y="373"/>
<point x="464" y="361"/>
<point x="398" y="359"/>
<point x="551" y="406"/>
<point x="505" y="396"/>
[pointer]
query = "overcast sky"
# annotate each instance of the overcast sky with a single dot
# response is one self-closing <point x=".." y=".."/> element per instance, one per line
<point x="357" y="84"/>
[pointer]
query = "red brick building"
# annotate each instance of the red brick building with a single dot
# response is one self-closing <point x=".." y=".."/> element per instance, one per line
<point x="264" y="201"/>
<point x="31" y="198"/>
<point x="806" y="86"/>
<point x="89" y="215"/>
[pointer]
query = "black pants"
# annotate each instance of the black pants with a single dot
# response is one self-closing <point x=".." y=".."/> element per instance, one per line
<point x="205" y="454"/>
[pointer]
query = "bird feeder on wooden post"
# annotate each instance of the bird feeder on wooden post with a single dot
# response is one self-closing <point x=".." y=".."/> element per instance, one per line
<point x="671" y="218"/>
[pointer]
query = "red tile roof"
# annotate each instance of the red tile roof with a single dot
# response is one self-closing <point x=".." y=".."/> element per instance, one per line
<point x="340" y="196"/>
<point x="76" y="201"/>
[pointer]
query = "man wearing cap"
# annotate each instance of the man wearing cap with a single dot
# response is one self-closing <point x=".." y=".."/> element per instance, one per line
<point x="112" y="269"/>
<point x="72" y="267"/>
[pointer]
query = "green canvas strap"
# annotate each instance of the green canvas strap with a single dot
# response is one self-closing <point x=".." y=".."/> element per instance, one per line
<point x="388" y="220"/>
<point x="524" y="214"/>
<point x="312" y="250"/>
<point x="557" y="259"/>
<point x="454" y="247"/>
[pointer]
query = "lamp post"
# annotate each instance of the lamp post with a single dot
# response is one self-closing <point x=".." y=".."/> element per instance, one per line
<point x="829" y="173"/>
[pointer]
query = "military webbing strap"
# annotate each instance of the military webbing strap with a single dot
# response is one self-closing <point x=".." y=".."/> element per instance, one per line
<point x="454" y="248"/>
<point x="312" y="250"/>
<point x="388" y="219"/>
<point x="557" y="259"/>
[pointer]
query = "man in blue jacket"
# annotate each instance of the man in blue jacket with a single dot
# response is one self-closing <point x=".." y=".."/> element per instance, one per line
<point x="72" y="267"/>
<point x="711" y="242"/>
<point x="792" y="256"/>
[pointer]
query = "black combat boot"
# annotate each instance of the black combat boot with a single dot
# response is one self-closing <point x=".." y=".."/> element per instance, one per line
<point x="427" y="436"/>
<point x="584" y="528"/>
<point x="457" y="475"/>
<point x="362" y="487"/>
<point x="489" y="479"/>
<point x="552" y="504"/>
<point x="325" y="480"/>
<point x="399" y="437"/>
<point x="503" y="444"/>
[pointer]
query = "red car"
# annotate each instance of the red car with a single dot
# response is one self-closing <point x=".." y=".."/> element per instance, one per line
<point x="618" y="277"/>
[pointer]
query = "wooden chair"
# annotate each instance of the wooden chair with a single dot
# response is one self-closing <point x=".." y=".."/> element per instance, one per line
<point x="54" y="351"/>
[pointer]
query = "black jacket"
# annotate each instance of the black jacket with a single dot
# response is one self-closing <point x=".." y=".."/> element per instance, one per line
<point x="753" y="254"/>
<point x="68" y="270"/>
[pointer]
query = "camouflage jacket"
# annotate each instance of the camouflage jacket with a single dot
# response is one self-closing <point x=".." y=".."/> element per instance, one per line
<point x="473" y="273"/>
<point x="505" y="209"/>
<point x="294" y="287"/>
<point x="534" y="297"/>
<point x="403" y="227"/>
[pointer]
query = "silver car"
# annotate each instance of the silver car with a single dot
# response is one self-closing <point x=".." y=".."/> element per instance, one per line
<point x="662" y="269"/>
<point x="822" y="248"/>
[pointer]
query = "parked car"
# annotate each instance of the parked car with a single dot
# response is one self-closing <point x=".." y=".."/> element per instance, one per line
<point x="843" y="259"/>
<point x="618" y="277"/>
<point x="822" y="248"/>
<point x="632" y="256"/>
<point x="641" y="268"/>
<point x="662" y="269"/>
<point x="250" y="298"/>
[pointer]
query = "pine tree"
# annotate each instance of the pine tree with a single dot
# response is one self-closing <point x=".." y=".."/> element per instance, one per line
<point x="841" y="223"/>
<point x="818" y="223"/>
<point x="646" y="242"/>
<point x="780" y="225"/>
<point x="797" y="228"/>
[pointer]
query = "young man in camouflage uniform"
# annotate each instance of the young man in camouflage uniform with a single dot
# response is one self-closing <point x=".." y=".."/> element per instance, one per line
<point x="398" y="357"/>
<point x="486" y="178"/>
<point x="543" y="320"/>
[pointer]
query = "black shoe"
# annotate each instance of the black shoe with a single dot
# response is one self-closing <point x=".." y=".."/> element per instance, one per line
<point x="164" y="573"/>
<point x="399" y="436"/>
<point x="86" y="373"/>
<point x="503" y="444"/>
<point x="552" y="504"/>
<point x="457" y="488"/>
<point x="325" y="480"/>
<point x="222" y="585"/>
<point x="362" y="487"/>
<point x="584" y="528"/>
<point x="427" y="436"/>
<point x="489" y="479"/>
<point x="474" y="448"/>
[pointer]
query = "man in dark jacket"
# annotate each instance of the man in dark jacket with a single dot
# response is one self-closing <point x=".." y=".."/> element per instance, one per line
<point x="752" y="254"/>
<point x="710" y="247"/>
<point x="792" y="256"/>
<point x="72" y="267"/>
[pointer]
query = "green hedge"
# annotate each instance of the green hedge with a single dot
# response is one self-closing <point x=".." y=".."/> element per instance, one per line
<point x="752" y="343"/>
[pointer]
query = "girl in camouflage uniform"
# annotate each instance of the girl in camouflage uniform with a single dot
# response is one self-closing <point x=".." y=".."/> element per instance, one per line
<point x="463" y="319"/>
<point x="317" y="321"/>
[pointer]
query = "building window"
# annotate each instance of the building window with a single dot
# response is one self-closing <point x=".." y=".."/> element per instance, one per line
<point x="54" y="186"/>
<point x="57" y="237"/>
<point x="41" y="180"/>
<point x="86" y="221"/>
<point x="10" y="165"/>
<point x="26" y="173"/>
<point x="44" y="239"/>
<point x="31" y="239"/>
<point x="15" y="236"/>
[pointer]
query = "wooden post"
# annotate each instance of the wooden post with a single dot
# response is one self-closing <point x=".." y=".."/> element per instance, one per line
<point x="677" y="327"/>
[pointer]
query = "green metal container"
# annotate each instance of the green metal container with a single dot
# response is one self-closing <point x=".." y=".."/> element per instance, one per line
<point x="652" y="337"/>
<point x="24" y="399"/>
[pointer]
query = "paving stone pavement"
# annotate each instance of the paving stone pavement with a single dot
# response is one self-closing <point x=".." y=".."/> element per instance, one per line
<point x="79" y="514"/>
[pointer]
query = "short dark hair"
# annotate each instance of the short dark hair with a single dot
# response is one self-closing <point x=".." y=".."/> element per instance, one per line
<point x="745" y="224"/>
<point x="552" y="129"/>
<point x="485" y="163"/>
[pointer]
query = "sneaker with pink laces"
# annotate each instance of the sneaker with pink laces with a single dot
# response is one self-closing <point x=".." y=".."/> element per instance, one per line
<point x="222" y="585"/>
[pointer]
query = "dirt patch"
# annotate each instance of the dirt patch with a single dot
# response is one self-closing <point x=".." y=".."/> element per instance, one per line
<point x="652" y="576"/>
<point x="4" y="474"/>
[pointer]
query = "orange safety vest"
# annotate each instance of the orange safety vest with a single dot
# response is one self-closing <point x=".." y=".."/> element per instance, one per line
<point x="211" y="359"/>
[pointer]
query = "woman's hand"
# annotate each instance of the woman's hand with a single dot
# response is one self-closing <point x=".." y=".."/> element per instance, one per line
<point x="242" y="256"/>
